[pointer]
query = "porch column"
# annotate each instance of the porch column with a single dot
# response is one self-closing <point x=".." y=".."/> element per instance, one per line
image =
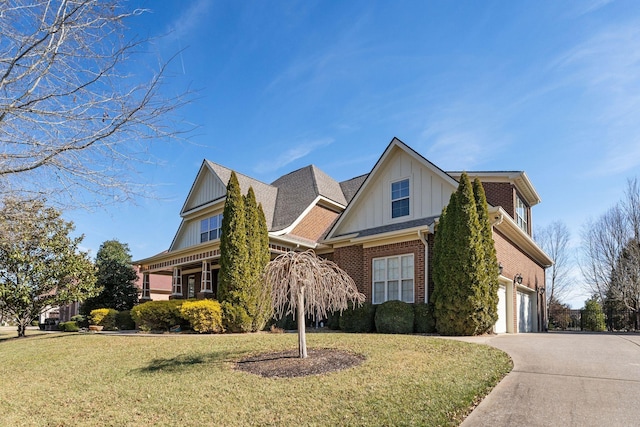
<point x="146" y="292"/>
<point x="177" y="282"/>
<point x="205" y="284"/>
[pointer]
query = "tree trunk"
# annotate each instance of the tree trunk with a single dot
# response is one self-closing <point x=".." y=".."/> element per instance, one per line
<point x="302" y="339"/>
<point x="21" y="329"/>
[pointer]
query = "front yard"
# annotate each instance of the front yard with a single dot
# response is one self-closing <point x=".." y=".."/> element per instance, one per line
<point x="189" y="380"/>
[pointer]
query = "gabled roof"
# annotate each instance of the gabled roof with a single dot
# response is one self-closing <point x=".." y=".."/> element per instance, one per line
<point x="265" y="193"/>
<point x="298" y="189"/>
<point x="428" y="221"/>
<point x="395" y="144"/>
<point x="351" y="186"/>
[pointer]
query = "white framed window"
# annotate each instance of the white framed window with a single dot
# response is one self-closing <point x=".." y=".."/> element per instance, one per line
<point x="400" y="198"/>
<point x="393" y="279"/>
<point x="521" y="214"/>
<point x="191" y="287"/>
<point x="210" y="228"/>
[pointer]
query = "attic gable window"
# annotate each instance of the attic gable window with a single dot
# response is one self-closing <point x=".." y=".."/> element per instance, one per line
<point x="400" y="198"/>
<point x="210" y="228"/>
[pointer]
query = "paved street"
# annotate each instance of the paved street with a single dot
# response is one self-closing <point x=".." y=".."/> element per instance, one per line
<point x="565" y="379"/>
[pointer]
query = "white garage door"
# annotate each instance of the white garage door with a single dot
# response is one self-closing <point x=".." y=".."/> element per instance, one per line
<point x="525" y="312"/>
<point x="501" y="324"/>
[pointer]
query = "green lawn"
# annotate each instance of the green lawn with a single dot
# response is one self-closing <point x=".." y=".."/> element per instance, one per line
<point x="188" y="380"/>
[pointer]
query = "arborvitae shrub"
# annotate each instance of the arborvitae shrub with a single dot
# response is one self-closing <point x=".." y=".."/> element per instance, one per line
<point x="105" y="317"/>
<point x="158" y="315"/>
<point x="70" y="326"/>
<point x="394" y="317"/>
<point x="358" y="319"/>
<point x="204" y="316"/>
<point x="125" y="321"/>
<point x="423" y="321"/>
<point x="235" y="318"/>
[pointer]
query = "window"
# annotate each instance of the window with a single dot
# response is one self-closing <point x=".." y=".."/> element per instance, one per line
<point x="210" y="228"/>
<point x="177" y="281"/>
<point x="521" y="214"/>
<point x="400" y="198"/>
<point x="393" y="279"/>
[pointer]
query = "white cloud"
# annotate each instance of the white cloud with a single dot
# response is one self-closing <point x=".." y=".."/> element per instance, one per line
<point x="193" y="16"/>
<point x="301" y="150"/>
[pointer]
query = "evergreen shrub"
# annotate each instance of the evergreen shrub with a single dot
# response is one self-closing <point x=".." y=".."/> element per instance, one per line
<point x="124" y="321"/>
<point x="82" y="321"/>
<point x="333" y="321"/>
<point x="70" y="326"/>
<point x="288" y="322"/>
<point x="158" y="315"/>
<point x="423" y="321"/>
<point x="204" y="316"/>
<point x="358" y="319"/>
<point x="235" y="318"/>
<point x="394" y="317"/>
<point x="105" y="317"/>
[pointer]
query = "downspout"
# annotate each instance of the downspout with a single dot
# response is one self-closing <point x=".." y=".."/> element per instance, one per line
<point x="426" y="265"/>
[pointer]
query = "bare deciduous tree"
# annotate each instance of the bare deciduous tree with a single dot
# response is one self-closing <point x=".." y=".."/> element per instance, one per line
<point x="554" y="240"/>
<point x="303" y="283"/>
<point x="73" y="114"/>
<point x="611" y="264"/>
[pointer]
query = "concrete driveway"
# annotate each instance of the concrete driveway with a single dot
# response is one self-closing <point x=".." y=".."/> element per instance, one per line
<point x="565" y="379"/>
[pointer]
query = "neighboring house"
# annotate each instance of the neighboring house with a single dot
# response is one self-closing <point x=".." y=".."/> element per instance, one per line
<point x="379" y="227"/>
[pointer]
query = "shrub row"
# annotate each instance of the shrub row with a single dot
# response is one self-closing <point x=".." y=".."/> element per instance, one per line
<point x="203" y="316"/>
<point x="391" y="317"/>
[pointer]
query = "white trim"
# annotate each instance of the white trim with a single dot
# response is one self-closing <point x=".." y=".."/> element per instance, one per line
<point x="425" y="242"/>
<point x="304" y="213"/>
<point x="395" y="143"/>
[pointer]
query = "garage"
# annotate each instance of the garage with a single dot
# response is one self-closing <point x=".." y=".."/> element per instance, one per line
<point x="501" y="324"/>
<point x="524" y="303"/>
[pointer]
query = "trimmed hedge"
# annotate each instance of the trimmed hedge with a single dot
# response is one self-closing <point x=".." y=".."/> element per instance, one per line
<point x="423" y="320"/>
<point x="124" y="321"/>
<point x="70" y="326"/>
<point x="158" y="315"/>
<point x="359" y="319"/>
<point x="333" y="321"/>
<point x="204" y="316"/>
<point x="394" y="317"/>
<point x="105" y="317"/>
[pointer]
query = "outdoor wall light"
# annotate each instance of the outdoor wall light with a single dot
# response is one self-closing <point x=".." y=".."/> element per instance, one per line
<point x="518" y="279"/>
<point x="500" y="268"/>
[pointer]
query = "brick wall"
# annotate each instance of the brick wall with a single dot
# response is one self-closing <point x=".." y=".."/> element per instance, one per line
<point x="358" y="262"/>
<point x="501" y="194"/>
<point x="314" y="225"/>
<point x="350" y="260"/>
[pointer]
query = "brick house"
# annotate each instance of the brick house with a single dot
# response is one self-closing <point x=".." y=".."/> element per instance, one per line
<point x="379" y="227"/>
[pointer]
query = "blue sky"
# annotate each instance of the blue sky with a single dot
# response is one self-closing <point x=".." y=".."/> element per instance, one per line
<point x="551" y="88"/>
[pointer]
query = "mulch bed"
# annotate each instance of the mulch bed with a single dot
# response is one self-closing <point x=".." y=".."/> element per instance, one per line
<point x="287" y="364"/>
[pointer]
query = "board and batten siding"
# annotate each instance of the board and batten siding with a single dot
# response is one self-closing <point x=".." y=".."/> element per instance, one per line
<point x="208" y="187"/>
<point x="429" y="193"/>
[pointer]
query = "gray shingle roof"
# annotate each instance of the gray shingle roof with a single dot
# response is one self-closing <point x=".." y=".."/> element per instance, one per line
<point x="298" y="189"/>
<point x="351" y="186"/>
<point x="396" y="227"/>
<point x="265" y="193"/>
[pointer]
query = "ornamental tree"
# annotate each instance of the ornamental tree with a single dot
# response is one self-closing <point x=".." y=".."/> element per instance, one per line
<point x="40" y="263"/>
<point x="300" y="283"/>
<point x="116" y="278"/>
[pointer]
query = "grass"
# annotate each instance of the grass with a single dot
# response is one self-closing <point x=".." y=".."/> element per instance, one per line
<point x="188" y="380"/>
